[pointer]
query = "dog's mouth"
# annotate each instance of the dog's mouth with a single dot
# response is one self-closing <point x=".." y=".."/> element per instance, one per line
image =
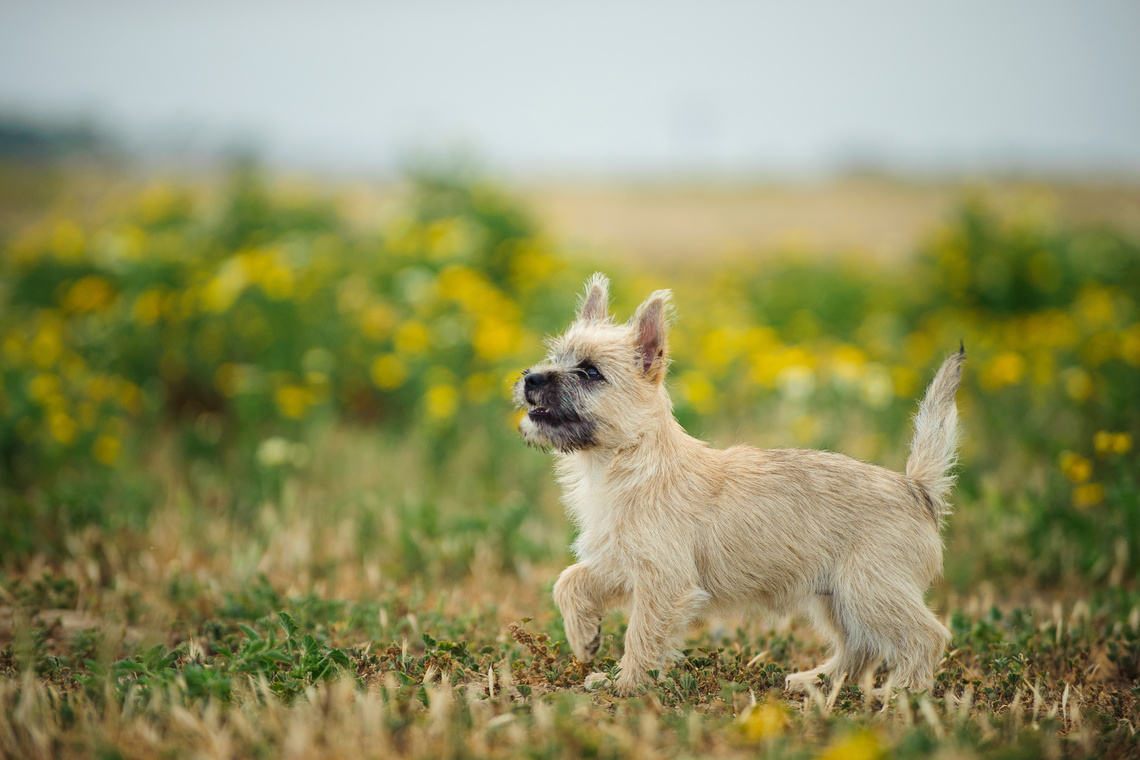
<point x="548" y="416"/>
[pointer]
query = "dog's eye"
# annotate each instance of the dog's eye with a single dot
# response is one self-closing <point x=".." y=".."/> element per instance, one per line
<point x="590" y="372"/>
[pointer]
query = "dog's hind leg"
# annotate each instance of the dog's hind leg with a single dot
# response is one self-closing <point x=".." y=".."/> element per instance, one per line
<point x="887" y="616"/>
<point x="850" y="658"/>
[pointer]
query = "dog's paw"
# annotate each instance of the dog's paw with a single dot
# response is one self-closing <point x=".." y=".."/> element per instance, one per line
<point x="801" y="682"/>
<point x="583" y="645"/>
<point x="626" y="687"/>
<point x="595" y="681"/>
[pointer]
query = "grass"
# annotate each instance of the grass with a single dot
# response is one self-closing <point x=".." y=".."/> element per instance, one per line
<point x="305" y="626"/>
<point x="323" y="536"/>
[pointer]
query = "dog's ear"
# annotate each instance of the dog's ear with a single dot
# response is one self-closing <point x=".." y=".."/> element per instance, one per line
<point x="595" y="307"/>
<point x="650" y="326"/>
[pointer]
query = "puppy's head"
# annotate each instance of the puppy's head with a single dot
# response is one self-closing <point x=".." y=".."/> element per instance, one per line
<point x="602" y="384"/>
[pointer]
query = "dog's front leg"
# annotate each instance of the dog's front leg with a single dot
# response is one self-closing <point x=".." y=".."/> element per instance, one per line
<point x="583" y="595"/>
<point x="659" y="614"/>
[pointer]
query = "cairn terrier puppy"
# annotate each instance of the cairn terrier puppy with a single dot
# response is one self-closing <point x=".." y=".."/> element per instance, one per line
<point x="674" y="530"/>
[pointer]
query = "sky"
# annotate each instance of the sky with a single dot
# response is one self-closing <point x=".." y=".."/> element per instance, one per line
<point x="597" y="88"/>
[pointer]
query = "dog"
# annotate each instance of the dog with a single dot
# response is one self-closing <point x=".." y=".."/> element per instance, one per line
<point x="674" y="530"/>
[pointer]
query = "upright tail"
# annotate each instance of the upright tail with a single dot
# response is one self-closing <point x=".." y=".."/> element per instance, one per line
<point x="934" y="449"/>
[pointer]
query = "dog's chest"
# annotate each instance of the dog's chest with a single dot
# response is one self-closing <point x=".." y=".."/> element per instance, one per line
<point x="615" y="523"/>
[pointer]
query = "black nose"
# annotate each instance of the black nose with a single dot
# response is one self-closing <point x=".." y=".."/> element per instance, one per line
<point x="534" y="380"/>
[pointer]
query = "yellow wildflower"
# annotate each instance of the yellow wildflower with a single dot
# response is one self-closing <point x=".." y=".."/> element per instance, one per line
<point x="441" y="401"/>
<point x="1130" y="345"/>
<point x="1075" y="467"/>
<point x="862" y="745"/>
<point x="1088" y="495"/>
<point x="1096" y="306"/>
<point x="88" y="294"/>
<point x="449" y="239"/>
<point x="766" y="720"/>
<point x="106" y="449"/>
<point x="293" y="401"/>
<point x="1004" y="369"/>
<point x="1112" y="443"/>
<point x="43" y="387"/>
<point x="68" y="240"/>
<point x="225" y="287"/>
<point x="495" y="338"/>
<point x="47" y="345"/>
<point x="388" y="372"/>
<point x="376" y="321"/>
<point x="147" y="308"/>
<point x="130" y="396"/>
<point x="277" y="282"/>
<point x="696" y="389"/>
<point x="411" y="337"/>
<point x="62" y="428"/>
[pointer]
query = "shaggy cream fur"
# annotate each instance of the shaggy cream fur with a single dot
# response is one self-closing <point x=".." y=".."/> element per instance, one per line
<point x="674" y="530"/>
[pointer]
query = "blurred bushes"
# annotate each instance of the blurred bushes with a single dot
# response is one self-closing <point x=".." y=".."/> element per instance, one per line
<point x="260" y="314"/>
<point x="245" y="317"/>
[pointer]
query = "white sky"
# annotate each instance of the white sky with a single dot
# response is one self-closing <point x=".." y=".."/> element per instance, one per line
<point x="597" y="87"/>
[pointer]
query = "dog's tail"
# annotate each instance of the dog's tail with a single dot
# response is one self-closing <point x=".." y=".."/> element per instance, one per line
<point x="934" y="449"/>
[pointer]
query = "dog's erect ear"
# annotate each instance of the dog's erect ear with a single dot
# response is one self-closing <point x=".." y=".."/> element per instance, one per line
<point x="650" y="323"/>
<point x="595" y="307"/>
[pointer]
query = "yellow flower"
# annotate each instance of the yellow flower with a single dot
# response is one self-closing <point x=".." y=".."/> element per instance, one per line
<point x="495" y="338"/>
<point x="1112" y="443"/>
<point x="376" y="321"/>
<point x="764" y="721"/>
<point x="88" y="294"/>
<point x="225" y="287"/>
<point x="106" y="449"/>
<point x="441" y="401"/>
<point x="1130" y="345"/>
<point x="1088" y="495"/>
<point x="44" y="386"/>
<point x="293" y="401"/>
<point x="1076" y="468"/>
<point x="388" y="372"/>
<point x="411" y="337"/>
<point x="862" y="745"/>
<point x="62" y="428"/>
<point x="698" y="391"/>
<point x="847" y="363"/>
<point x="449" y="238"/>
<point x="277" y="282"/>
<point x="68" y="240"/>
<point x="1004" y="369"/>
<point x="47" y="345"/>
<point x="147" y="307"/>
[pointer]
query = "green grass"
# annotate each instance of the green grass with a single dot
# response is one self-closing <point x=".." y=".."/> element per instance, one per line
<point x="328" y="539"/>
<point x="427" y="630"/>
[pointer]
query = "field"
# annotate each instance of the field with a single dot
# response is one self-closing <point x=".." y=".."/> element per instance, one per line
<point x="261" y="494"/>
